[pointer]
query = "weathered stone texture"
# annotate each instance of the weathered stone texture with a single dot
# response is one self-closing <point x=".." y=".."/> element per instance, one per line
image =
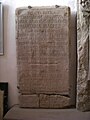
<point x="83" y="96"/>
<point x="43" y="54"/>
<point x="54" y="101"/>
<point x="44" y="101"/>
<point x="43" y="50"/>
<point x="1" y="104"/>
<point x="29" y="101"/>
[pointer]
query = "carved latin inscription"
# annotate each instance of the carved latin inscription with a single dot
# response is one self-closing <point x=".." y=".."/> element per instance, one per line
<point x="43" y="54"/>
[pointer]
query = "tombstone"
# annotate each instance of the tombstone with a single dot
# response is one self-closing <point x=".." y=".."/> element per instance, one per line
<point x="44" y="57"/>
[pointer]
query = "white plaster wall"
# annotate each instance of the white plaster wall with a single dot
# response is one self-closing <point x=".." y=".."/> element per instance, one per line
<point x="8" y="69"/>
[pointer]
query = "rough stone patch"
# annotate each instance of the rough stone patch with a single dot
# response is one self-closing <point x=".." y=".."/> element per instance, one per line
<point x="83" y="50"/>
<point x="29" y="101"/>
<point x="44" y="101"/>
<point x="54" y="101"/>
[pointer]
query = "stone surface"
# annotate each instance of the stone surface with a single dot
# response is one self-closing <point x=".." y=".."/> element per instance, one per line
<point x="83" y="42"/>
<point x="44" y="55"/>
<point x="29" y="101"/>
<point x="44" y="101"/>
<point x="54" y="101"/>
<point x="43" y="50"/>
<point x="17" y="113"/>
<point x="1" y="104"/>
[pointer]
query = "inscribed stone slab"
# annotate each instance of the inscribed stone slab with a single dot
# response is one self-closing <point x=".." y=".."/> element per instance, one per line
<point x="43" y="54"/>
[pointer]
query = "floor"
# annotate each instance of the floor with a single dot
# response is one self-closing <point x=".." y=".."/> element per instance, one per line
<point x="17" y="113"/>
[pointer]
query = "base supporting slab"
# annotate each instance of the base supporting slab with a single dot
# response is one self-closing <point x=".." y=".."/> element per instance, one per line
<point x="44" y="101"/>
<point x="17" y="113"/>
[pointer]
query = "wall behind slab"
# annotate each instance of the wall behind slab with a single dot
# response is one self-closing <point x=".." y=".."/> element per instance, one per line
<point x="8" y="69"/>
